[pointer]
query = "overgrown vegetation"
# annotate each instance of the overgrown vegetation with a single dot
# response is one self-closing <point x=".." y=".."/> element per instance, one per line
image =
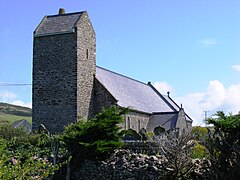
<point x="95" y="138"/>
<point x="223" y="144"/>
<point x="25" y="156"/>
<point x="40" y="155"/>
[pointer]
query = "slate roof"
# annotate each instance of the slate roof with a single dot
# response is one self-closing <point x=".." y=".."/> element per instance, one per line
<point x="132" y="93"/>
<point x="170" y="100"/>
<point x="166" y="120"/>
<point x="22" y="123"/>
<point x="56" y="24"/>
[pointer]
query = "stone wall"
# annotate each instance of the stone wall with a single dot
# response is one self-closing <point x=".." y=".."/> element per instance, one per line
<point x="86" y="65"/>
<point x="135" y="120"/>
<point x="54" y="81"/>
<point x="123" y="165"/>
<point x="101" y="97"/>
<point x="126" y="165"/>
<point x="181" y="123"/>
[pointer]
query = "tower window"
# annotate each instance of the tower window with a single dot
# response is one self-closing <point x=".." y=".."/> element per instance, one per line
<point x="87" y="54"/>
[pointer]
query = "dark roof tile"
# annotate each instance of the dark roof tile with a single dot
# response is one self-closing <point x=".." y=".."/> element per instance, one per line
<point x="131" y="93"/>
<point x="57" y="24"/>
<point x="165" y="120"/>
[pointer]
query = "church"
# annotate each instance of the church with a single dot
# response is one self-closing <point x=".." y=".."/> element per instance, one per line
<point x="68" y="86"/>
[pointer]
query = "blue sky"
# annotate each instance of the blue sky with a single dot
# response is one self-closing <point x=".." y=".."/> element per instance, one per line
<point x="190" y="48"/>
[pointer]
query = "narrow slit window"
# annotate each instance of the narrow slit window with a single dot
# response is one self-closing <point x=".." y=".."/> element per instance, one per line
<point x="87" y="54"/>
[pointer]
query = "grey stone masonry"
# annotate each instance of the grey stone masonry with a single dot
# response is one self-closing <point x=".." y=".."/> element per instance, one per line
<point x="64" y="64"/>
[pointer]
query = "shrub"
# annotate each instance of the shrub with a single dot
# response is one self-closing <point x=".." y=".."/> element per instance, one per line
<point x="25" y="156"/>
<point x="200" y="151"/>
<point x="131" y="135"/>
<point x="94" y="138"/>
<point x="199" y="133"/>
<point x="224" y="146"/>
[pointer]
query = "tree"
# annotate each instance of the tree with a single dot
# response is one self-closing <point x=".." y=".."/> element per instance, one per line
<point x="177" y="151"/>
<point x="224" y="146"/>
<point x="95" y="138"/>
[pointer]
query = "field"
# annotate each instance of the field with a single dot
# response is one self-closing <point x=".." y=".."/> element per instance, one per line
<point x="12" y="118"/>
<point x="11" y="113"/>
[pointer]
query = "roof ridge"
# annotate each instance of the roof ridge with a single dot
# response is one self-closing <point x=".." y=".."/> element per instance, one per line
<point x="66" y="14"/>
<point x="161" y="96"/>
<point x="122" y="75"/>
<point x="178" y="106"/>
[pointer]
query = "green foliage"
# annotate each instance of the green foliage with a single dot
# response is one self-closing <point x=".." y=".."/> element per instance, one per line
<point x="25" y="156"/>
<point x="225" y="123"/>
<point x="224" y="146"/>
<point x="8" y="132"/>
<point x="94" y="138"/>
<point x="131" y="134"/>
<point x="199" y="133"/>
<point x="150" y="134"/>
<point x="12" y="118"/>
<point x="159" y="130"/>
<point x="200" y="151"/>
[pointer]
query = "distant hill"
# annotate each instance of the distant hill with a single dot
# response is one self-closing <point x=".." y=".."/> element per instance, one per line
<point x="12" y="113"/>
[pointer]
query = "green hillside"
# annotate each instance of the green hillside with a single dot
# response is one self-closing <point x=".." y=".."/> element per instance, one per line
<point x="11" y="113"/>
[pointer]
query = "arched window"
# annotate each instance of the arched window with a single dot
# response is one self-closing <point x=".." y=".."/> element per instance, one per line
<point x="128" y="123"/>
<point x="139" y="125"/>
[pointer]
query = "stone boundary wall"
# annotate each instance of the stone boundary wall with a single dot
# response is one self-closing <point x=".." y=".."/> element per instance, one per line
<point x="143" y="147"/>
<point x="126" y="165"/>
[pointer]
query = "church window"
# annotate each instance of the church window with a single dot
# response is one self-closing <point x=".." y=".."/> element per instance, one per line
<point x="139" y="125"/>
<point x="128" y="123"/>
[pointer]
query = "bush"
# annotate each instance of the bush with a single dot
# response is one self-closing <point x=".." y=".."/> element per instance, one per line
<point x="8" y="132"/>
<point x="95" y="138"/>
<point x="25" y="156"/>
<point x="199" y="133"/>
<point x="200" y="151"/>
<point x="131" y="135"/>
<point x="224" y="146"/>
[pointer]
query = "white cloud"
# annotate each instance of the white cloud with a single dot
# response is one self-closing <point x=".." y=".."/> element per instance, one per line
<point x="163" y="87"/>
<point x="9" y="97"/>
<point x="21" y="103"/>
<point x="215" y="98"/>
<point x="236" y="67"/>
<point x="208" y="42"/>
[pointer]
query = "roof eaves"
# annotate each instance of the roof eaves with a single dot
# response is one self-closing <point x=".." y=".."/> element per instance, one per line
<point x="156" y="113"/>
<point x="141" y="112"/>
<point x="53" y="34"/>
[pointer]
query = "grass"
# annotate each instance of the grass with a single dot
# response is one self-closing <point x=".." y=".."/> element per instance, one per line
<point x="12" y="118"/>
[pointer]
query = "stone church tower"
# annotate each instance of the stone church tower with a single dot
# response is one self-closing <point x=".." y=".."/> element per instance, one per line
<point x="64" y="66"/>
